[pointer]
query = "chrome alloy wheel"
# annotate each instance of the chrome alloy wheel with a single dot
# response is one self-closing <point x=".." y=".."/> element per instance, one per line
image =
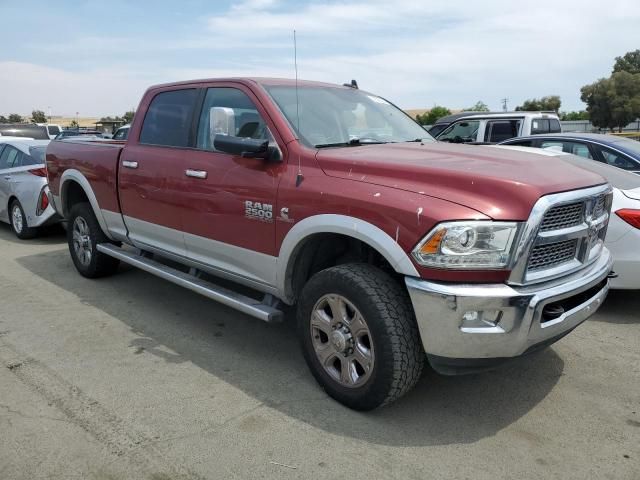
<point x="16" y="218"/>
<point x="82" y="241"/>
<point x="342" y="340"/>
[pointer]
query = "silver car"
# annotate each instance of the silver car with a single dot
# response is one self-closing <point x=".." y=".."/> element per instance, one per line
<point x="24" y="194"/>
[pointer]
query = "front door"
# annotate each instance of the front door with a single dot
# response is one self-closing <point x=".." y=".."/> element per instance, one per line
<point x="230" y="201"/>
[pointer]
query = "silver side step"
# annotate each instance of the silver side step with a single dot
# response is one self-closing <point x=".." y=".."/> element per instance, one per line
<point x="215" y="292"/>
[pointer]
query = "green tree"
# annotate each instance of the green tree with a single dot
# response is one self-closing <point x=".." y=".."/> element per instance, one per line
<point x="613" y="102"/>
<point x="3" y="119"/>
<point x="15" y="118"/>
<point x="480" y="106"/>
<point x="629" y="62"/>
<point x="73" y="124"/>
<point x="550" y="102"/>
<point x="581" y="115"/>
<point x="38" y="116"/>
<point x="430" y="117"/>
<point x="128" y="116"/>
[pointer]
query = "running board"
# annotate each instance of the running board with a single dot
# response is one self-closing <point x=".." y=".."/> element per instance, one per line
<point x="227" y="297"/>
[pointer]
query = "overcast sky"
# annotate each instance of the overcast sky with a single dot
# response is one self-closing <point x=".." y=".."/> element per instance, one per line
<point x="97" y="57"/>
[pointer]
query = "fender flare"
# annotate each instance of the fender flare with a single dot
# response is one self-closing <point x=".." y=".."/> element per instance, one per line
<point x="77" y="176"/>
<point x="353" y="227"/>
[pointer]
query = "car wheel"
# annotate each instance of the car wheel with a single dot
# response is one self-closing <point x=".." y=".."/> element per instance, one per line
<point x="359" y="335"/>
<point x="83" y="235"/>
<point x="19" y="222"/>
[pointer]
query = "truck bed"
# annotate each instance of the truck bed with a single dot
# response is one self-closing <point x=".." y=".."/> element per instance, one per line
<point x="96" y="160"/>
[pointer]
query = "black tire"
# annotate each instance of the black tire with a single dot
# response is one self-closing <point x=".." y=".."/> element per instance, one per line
<point x="25" y="232"/>
<point x="99" y="265"/>
<point x="388" y="314"/>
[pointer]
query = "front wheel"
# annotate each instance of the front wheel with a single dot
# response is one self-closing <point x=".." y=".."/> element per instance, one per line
<point x="83" y="235"/>
<point x="359" y="335"/>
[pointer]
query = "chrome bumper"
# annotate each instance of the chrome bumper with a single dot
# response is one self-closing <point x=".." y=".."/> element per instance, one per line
<point x="499" y="321"/>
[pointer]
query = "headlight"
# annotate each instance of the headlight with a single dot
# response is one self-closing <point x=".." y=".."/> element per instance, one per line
<point x="471" y="245"/>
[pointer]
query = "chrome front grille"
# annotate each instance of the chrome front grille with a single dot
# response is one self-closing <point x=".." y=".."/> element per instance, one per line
<point x="563" y="216"/>
<point x="552" y="254"/>
<point x="564" y="234"/>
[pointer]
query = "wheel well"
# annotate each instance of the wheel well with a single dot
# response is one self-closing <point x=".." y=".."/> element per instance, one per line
<point x="323" y="250"/>
<point x="72" y="193"/>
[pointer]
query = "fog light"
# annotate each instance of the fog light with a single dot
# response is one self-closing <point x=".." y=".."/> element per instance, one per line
<point x="487" y="320"/>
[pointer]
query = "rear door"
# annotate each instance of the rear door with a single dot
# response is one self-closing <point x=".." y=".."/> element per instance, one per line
<point x="151" y="170"/>
<point x="498" y="131"/>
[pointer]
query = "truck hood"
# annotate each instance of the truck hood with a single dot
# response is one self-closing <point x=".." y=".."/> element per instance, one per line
<point x="502" y="184"/>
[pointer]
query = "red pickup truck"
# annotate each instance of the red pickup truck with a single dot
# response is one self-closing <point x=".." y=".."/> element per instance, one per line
<point x="329" y="198"/>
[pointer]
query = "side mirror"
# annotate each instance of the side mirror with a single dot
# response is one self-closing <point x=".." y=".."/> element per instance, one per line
<point x="247" y="147"/>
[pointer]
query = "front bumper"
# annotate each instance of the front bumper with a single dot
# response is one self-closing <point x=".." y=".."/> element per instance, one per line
<point x="508" y="321"/>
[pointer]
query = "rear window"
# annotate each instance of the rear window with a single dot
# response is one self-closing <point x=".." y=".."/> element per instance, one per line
<point x="168" y="118"/>
<point x="36" y="156"/>
<point x="545" y="125"/>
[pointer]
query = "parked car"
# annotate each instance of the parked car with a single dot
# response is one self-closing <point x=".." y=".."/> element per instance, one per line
<point x="389" y="244"/>
<point x="623" y="235"/>
<point x="616" y="151"/>
<point x="488" y="127"/>
<point x="122" y="133"/>
<point x="24" y="194"/>
<point x="52" y="129"/>
<point x="24" y="130"/>
<point x="78" y="132"/>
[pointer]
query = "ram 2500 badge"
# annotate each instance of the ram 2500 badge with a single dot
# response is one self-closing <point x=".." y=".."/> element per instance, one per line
<point x="332" y="200"/>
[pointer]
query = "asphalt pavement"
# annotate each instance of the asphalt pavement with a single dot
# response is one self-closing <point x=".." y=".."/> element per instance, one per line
<point x="131" y="377"/>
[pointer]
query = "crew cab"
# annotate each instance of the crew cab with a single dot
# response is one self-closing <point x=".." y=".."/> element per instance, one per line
<point x="333" y="201"/>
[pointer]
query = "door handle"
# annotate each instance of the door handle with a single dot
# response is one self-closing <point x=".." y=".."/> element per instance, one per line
<point x="129" y="164"/>
<point x="195" y="173"/>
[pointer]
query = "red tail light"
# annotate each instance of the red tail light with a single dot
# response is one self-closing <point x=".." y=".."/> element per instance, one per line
<point x="44" y="201"/>
<point x="38" y="172"/>
<point x="631" y="216"/>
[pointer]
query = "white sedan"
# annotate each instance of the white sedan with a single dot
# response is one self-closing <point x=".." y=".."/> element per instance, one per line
<point x="623" y="234"/>
<point x="24" y="194"/>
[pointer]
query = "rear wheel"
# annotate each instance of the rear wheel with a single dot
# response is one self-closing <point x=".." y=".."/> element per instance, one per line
<point x="359" y="335"/>
<point x="19" y="222"/>
<point x="83" y="235"/>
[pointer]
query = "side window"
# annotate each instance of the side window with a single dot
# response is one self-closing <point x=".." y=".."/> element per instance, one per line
<point x="229" y="111"/>
<point x="465" y="131"/>
<point x="522" y="143"/>
<point x="168" y="118"/>
<point x="579" y="149"/>
<point x="9" y="158"/>
<point x="618" y="160"/>
<point x="539" y="125"/>
<point x="552" y="145"/>
<point x="501" y="130"/>
<point x="554" y="125"/>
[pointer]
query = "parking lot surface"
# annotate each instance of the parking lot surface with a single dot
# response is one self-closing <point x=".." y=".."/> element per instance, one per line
<point x="133" y="377"/>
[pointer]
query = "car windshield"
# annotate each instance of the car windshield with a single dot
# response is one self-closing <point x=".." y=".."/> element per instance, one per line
<point x="333" y="117"/>
<point x="632" y="146"/>
<point x="37" y="153"/>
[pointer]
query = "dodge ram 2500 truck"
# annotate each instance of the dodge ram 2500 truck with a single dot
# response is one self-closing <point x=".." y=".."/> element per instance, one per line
<point x="267" y="193"/>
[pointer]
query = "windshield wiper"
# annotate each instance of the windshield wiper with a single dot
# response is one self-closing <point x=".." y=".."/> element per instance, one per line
<point x="354" y="142"/>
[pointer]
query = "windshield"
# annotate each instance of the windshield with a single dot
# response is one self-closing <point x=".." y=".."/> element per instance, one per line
<point x="331" y="116"/>
<point x="53" y="130"/>
<point x="632" y="146"/>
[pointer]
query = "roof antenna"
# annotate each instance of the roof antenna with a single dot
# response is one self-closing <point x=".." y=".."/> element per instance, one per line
<point x="299" y="177"/>
<point x="353" y="84"/>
